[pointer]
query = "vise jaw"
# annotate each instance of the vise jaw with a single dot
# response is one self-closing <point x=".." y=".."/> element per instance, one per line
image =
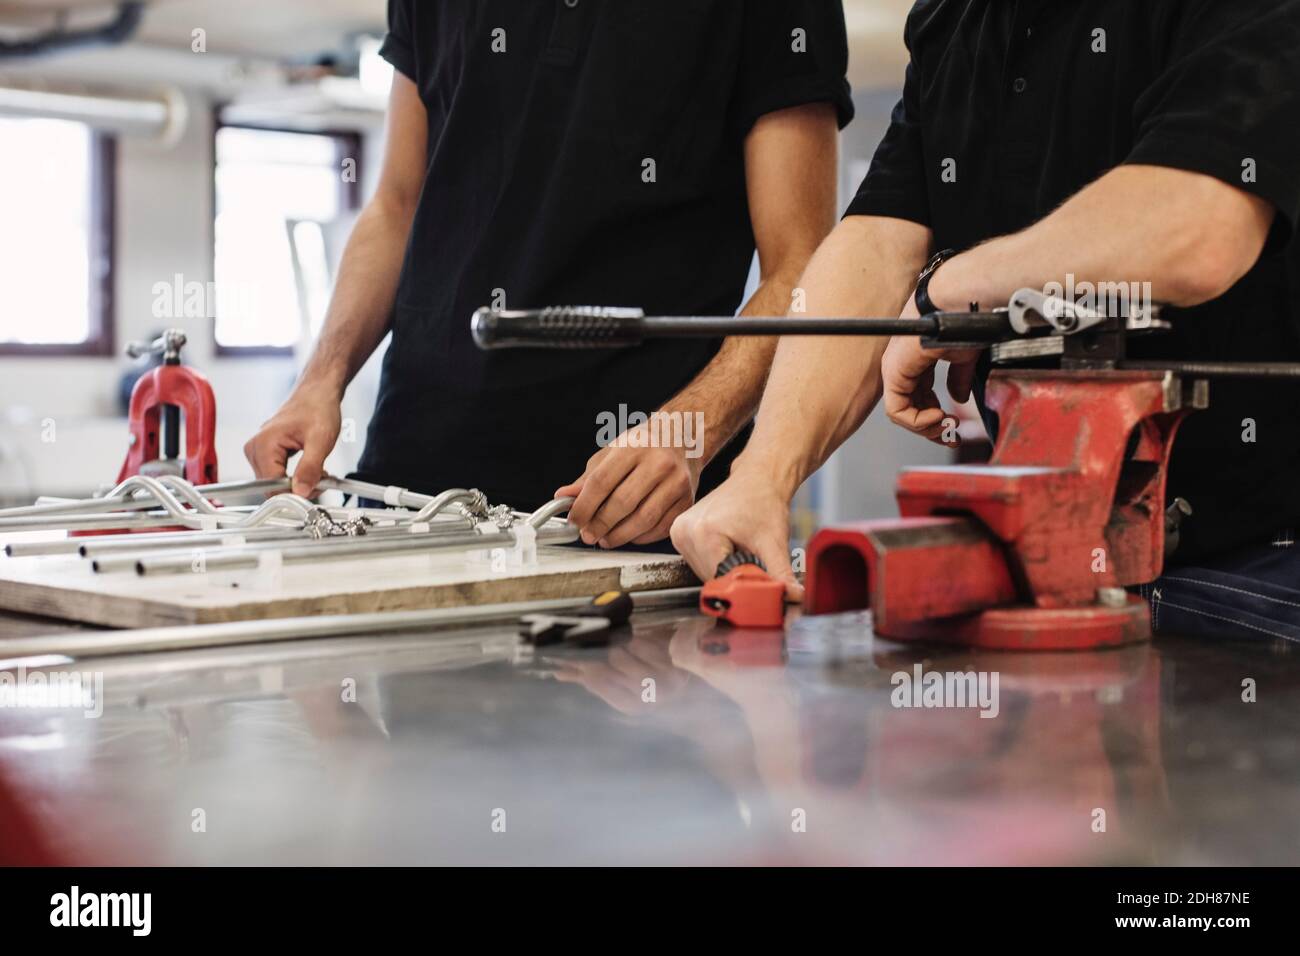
<point x="1035" y="549"/>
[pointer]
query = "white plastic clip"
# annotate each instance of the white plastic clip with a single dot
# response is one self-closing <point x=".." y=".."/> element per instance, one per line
<point x="524" y="554"/>
<point x="393" y="496"/>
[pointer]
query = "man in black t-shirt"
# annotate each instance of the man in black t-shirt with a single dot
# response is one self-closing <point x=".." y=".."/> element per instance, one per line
<point x="1054" y="145"/>
<point x="607" y="152"/>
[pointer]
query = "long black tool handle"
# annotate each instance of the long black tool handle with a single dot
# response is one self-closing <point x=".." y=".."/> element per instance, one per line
<point x="1194" y="369"/>
<point x="596" y="327"/>
<point x="592" y="327"/>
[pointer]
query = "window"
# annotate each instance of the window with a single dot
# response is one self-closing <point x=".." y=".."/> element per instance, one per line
<point x="56" y="228"/>
<point x="279" y="196"/>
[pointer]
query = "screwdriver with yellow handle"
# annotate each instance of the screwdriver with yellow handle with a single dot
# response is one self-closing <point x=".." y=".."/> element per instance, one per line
<point x="588" y="626"/>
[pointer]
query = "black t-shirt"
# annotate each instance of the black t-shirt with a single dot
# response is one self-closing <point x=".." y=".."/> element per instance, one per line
<point x="542" y="116"/>
<point x="1034" y="99"/>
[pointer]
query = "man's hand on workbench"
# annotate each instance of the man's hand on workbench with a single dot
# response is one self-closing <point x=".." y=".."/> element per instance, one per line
<point x="745" y="513"/>
<point x="309" y="422"/>
<point x="907" y="371"/>
<point x="632" y="493"/>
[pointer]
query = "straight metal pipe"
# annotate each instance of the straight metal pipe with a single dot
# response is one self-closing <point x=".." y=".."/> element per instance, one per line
<point x="349" y="548"/>
<point x="191" y="539"/>
<point x="88" y="547"/>
<point x="87" y="522"/>
<point x="365" y="489"/>
<point x="118" y="544"/>
<point x="124" y="560"/>
<point x="112" y="643"/>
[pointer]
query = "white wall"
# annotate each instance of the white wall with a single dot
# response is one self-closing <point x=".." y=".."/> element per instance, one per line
<point x="164" y="228"/>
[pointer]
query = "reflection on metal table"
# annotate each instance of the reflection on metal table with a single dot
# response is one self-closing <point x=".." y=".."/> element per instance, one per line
<point x="681" y="742"/>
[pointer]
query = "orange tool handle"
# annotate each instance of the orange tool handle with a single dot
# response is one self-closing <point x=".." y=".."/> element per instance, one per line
<point x="746" y="596"/>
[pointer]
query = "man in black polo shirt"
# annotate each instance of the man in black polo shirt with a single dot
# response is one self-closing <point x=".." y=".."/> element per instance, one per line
<point x="1106" y="141"/>
<point x="576" y="151"/>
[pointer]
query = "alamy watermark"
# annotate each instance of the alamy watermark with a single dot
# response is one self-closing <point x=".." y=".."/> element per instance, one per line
<point x="1110" y="299"/>
<point x="180" y="298"/>
<point x="920" y="688"/>
<point x="133" y="911"/>
<point x="624" y="429"/>
<point x="56" y="690"/>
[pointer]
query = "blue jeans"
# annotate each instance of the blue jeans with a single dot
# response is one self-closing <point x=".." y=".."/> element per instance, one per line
<point x="1253" y="592"/>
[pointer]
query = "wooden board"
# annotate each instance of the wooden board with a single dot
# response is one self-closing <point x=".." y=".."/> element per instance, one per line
<point x="65" y="587"/>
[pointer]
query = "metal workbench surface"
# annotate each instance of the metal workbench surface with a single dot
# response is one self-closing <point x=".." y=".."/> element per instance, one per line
<point x="682" y="742"/>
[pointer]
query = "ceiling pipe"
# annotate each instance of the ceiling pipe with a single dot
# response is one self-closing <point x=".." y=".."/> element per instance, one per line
<point x="161" y="116"/>
<point x="123" y="26"/>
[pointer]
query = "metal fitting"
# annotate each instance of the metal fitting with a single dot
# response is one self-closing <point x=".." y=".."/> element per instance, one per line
<point x="1112" y="597"/>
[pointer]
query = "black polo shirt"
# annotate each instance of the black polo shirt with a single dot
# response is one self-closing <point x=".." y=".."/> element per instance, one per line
<point x="546" y="120"/>
<point x="1034" y="100"/>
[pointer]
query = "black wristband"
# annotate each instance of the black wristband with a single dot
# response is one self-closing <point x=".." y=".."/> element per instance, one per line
<point x="924" y="305"/>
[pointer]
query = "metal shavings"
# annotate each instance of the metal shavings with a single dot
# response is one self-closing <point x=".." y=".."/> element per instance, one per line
<point x="321" y="524"/>
<point x="503" y="516"/>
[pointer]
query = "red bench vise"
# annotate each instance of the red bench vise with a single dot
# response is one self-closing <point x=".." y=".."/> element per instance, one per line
<point x="1033" y="550"/>
<point x="161" y="399"/>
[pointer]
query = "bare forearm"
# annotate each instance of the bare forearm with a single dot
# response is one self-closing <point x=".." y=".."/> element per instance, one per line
<point x="359" y="311"/>
<point x="821" y="389"/>
<point x="728" y="390"/>
<point x="1189" y="236"/>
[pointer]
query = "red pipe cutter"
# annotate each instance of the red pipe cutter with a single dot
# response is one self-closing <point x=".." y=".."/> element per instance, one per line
<point x="162" y="399"/>
<point x="159" y="400"/>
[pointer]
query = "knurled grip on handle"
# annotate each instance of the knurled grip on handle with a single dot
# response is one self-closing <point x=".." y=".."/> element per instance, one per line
<point x="558" y="327"/>
<point x="738" y="559"/>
